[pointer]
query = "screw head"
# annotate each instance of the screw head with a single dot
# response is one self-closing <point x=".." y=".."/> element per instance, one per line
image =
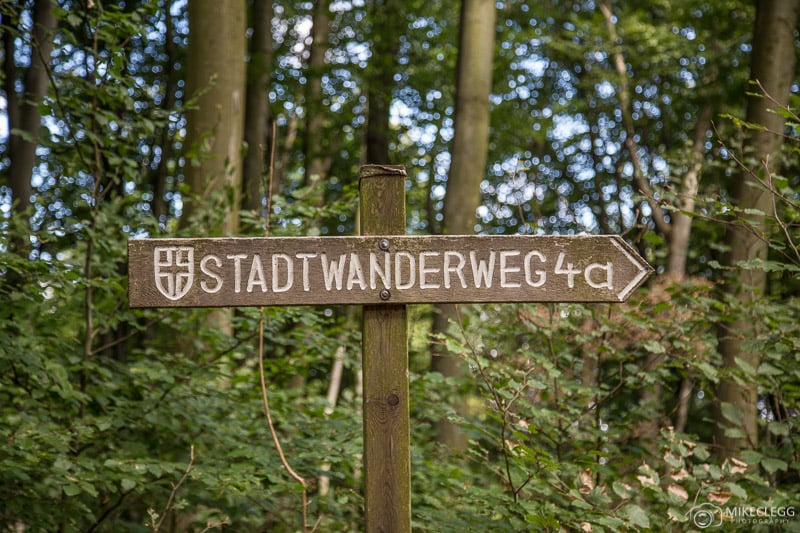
<point x="383" y="244"/>
<point x="385" y="294"/>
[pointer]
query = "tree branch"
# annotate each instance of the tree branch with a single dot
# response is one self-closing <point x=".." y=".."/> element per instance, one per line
<point x="627" y="121"/>
<point x="157" y="524"/>
<point x="262" y="376"/>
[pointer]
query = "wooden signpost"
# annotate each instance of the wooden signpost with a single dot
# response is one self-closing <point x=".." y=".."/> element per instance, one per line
<point x="383" y="270"/>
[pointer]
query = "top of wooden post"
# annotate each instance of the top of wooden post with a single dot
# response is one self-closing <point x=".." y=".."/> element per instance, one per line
<point x="383" y="201"/>
<point x="371" y="171"/>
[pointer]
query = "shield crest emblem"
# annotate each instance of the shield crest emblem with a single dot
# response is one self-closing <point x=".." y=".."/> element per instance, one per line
<point x="173" y="267"/>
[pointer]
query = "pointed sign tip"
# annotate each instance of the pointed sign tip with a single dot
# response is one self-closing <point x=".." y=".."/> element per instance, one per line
<point x="644" y="268"/>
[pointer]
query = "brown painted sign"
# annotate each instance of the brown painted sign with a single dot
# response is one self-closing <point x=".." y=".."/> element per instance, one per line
<point x="368" y="270"/>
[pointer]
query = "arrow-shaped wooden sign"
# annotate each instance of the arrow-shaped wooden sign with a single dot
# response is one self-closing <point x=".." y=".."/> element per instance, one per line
<point x="381" y="270"/>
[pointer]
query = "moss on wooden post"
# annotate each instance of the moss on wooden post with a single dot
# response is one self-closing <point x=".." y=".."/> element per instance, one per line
<point x="384" y="352"/>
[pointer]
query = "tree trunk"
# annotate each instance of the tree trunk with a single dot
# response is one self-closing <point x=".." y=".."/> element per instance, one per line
<point x="387" y="16"/>
<point x="257" y="118"/>
<point x="9" y="27"/>
<point x="289" y="139"/>
<point x="316" y="146"/>
<point x="679" y="241"/>
<point x="215" y="74"/>
<point x="640" y="180"/>
<point x="161" y="174"/>
<point x="687" y="195"/>
<point x="773" y="61"/>
<point x="23" y="113"/>
<point x="467" y="166"/>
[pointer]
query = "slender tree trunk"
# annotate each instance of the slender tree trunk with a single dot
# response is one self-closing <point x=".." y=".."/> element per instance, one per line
<point x="215" y="129"/>
<point x="10" y="28"/>
<point x="467" y="166"/>
<point x="289" y="139"/>
<point x="215" y="74"/>
<point x="316" y="145"/>
<point x="161" y="174"/>
<point x="677" y="230"/>
<point x="684" y="402"/>
<point x="257" y="118"/>
<point x="623" y="90"/>
<point x="679" y="238"/>
<point x="20" y="189"/>
<point x="23" y="113"/>
<point x="687" y="196"/>
<point x="772" y="65"/>
<point x="335" y="385"/>
<point x="387" y="16"/>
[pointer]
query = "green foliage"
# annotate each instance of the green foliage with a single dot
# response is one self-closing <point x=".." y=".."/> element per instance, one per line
<point x="554" y="442"/>
<point x="119" y="420"/>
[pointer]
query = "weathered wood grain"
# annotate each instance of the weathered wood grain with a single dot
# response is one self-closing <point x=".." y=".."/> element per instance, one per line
<point x="384" y="355"/>
<point x="358" y="270"/>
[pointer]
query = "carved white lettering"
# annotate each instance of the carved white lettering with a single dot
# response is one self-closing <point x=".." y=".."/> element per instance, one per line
<point x="356" y="273"/>
<point x="607" y="283"/>
<point x="570" y="271"/>
<point x="204" y="268"/>
<point x="333" y="272"/>
<point x="237" y="271"/>
<point x="458" y="269"/>
<point x="481" y="271"/>
<point x="401" y="270"/>
<point x="425" y="271"/>
<point x="287" y="260"/>
<point x="305" y="257"/>
<point x="529" y="271"/>
<point x="256" y="276"/>
<point x="375" y="271"/>
<point x="398" y="271"/>
<point x="505" y="270"/>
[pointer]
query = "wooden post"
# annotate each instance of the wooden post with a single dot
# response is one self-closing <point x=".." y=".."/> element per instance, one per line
<point x="384" y="353"/>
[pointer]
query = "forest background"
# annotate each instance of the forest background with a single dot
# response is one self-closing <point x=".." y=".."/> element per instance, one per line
<point x="672" y="123"/>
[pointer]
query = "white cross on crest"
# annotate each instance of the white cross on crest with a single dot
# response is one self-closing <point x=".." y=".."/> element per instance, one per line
<point x="173" y="267"/>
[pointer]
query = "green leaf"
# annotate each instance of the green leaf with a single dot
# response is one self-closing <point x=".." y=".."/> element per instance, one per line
<point x="780" y="429"/>
<point x="708" y="370"/>
<point x="701" y="452"/>
<point x="751" y="457"/>
<point x="653" y="346"/>
<point x="731" y="413"/>
<point x="622" y="490"/>
<point x="637" y="516"/>
<point x="88" y="488"/>
<point x="677" y="515"/>
<point x="737" y="490"/>
<point x="746" y="367"/>
<point x="767" y="369"/>
<point x="757" y="263"/>
<point x="735" y="433"/>
<point x="73" y="489"/>
<point x="772" y="464"/>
